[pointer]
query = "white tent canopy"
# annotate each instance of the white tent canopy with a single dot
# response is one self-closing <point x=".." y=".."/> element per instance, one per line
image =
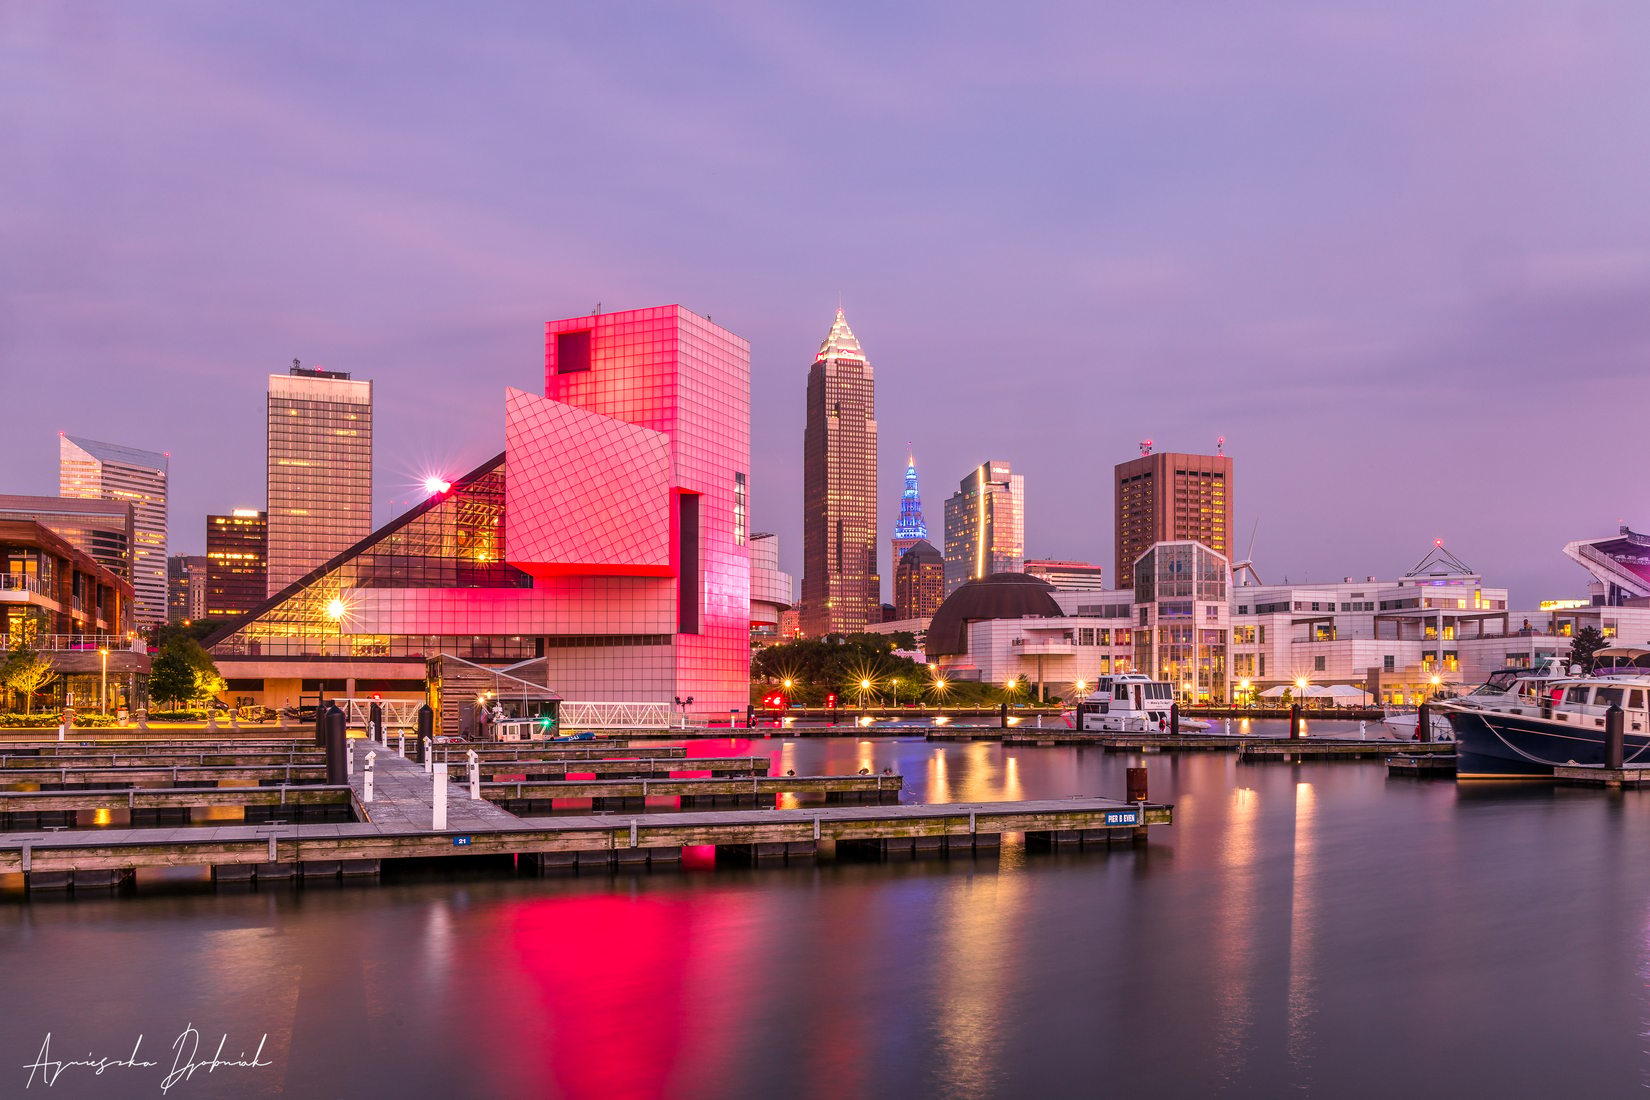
<point x="1345" y="691"/>
<point x="1312" y="691"/>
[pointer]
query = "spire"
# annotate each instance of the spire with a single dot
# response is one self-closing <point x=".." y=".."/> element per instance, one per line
<point x="841" y="343"/>
<point x="910" y="525"/>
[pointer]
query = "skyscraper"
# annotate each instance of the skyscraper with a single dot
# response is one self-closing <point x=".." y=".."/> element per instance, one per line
<point x="919" y="582"/>
<point x="185" y="588"/>
<point x="985" y="525"/>
<point x="1169" y="498"/>
<point x="319" y="469"/>
<point x="92" y="470"/>
<point x="101" y="528"/>
<point x="236" y="570"/>
<point x="910" y="528"/>
<point x="841" y="590"/>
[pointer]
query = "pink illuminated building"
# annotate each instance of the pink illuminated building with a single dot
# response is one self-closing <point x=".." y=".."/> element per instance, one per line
<point x="606" y="549"/>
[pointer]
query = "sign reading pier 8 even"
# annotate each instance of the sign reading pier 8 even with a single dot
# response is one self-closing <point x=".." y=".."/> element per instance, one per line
<point x="1122" y="817"/>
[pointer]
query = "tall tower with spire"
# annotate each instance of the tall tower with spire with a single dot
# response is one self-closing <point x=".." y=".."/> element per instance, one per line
<point x="910" y="528"/>
<point x="841" y="588"/>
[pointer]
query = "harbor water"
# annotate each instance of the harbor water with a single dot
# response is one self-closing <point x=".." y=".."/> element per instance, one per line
<point x="1317" y="930"/>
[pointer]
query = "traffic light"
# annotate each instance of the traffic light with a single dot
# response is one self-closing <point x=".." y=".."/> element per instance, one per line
<point x="830" y="700"/>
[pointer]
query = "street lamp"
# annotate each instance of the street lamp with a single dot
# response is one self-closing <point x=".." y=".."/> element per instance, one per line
<point x="1243" y="690"/>
<point x="1437" y="682"/>
<point x="1300" y="687"/>
<point x="864" y="691"/>
<point x="103" y="680"/>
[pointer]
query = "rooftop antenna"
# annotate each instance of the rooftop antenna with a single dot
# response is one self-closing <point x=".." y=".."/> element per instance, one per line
<point x="295" y="364"/>
<point x="1220" y="446"/>
<point x="597" y="311"/>
<point x="1145" y="447"/>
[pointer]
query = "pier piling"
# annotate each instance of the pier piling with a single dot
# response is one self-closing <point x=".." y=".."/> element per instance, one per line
<point x="1615" y="737"/>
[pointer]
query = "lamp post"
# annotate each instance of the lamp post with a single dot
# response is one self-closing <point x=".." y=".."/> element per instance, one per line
<point x="1437" y="682"/>
<point x="103" y="680"/>
<point x="1243" y="691"/>
<point x="1300" y="687"/>
<point x="864" y="692"/>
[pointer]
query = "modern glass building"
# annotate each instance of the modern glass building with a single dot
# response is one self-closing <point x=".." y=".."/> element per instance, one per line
<point x="985" y="525"/>
<point x="606" y="540"/>
<point x="319" y="470"/>
<point x="1168" y="497"/>
<point x="237" y="574"/>
<point x="92" y="470"/>
<point x="1182" y="632"/>
<point x="841" y="588"/>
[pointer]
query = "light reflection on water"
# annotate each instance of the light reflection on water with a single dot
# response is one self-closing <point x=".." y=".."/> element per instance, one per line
<point x="1315" y="928"/>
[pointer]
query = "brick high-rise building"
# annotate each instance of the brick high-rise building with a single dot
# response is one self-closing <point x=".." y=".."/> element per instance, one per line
<point x="319" y="470"/>
<point x="841" y="589"/>
<point x="236" y="566"/>
<point x="1169" y="498"/>
<point x="919" y="582"/>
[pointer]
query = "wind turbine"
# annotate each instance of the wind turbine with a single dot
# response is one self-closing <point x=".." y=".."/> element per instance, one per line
<point x="1243" y="572"/>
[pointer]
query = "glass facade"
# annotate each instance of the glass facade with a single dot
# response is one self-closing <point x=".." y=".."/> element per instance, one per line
<point x="1171" y="497"/>
<point x="453" y="541"/>
<point x="319" y="472"/>
<point x="94" y="470"/>
<point x="985" y="525"/>
<point x="841" y="587"/>
<point x="1181" y="593"/>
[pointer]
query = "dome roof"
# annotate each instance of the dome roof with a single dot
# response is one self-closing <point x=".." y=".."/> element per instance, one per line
<point x="999" y="596"/>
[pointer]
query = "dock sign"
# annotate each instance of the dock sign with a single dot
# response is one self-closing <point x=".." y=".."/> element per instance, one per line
<point x="461" y="842"/>
<point x="1122" y="817"/>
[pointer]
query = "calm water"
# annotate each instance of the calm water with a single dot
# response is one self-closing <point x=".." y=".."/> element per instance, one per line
<point x="1315" y="930"/>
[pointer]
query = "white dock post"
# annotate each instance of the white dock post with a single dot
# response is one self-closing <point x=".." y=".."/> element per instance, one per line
<point x="475" y="776"/>
<point x="401" y="744"/>
<point x="1361" y="736"/>
<point x="349" y="757"/>
<point x="438" y="809"/>
<point x="367" y="776"/>
<point x="429" y="755"/>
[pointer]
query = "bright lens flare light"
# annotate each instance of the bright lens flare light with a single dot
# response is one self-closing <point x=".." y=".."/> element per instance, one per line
<point x="435" y="485"/>
<point x="335" y="609"/>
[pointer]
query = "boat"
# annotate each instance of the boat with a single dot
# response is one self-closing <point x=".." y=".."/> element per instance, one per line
<point x="1129" y="702"/>
<point x="1402" y="724"/>
<point x="1522" y="724"/>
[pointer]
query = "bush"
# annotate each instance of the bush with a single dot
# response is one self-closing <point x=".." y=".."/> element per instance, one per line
<point x="177" y="716"/>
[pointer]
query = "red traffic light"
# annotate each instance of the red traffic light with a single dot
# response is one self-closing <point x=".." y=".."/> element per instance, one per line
<point x="830" y="700"/>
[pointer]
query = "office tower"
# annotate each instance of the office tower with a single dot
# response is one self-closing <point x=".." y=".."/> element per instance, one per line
<point x="185" y="588"/>
<point x="1169" y="498"/>
<point x="985" y="525"/>
<point x="919" y="581"/>
<point x="841" y="590"/>
<point x="319" y="469"/>
<point x="236" y="572"/>
<point x="771" y="588"/>
<point x="91" y="470"/>
<point x="910" y="528"/>
<point x="1070" y="575"/>
<point x="100" y="528"/>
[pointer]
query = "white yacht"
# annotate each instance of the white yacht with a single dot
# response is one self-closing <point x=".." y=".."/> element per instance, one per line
<point x="1129" y="702"/>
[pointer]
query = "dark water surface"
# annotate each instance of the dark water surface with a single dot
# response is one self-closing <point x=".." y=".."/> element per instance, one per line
<point x="1316" y="930"/>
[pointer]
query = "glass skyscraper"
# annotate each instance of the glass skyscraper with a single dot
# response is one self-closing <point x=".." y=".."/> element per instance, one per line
<point x="93" y="470"/>
<point x="236" y="572"/>
<point x="985" y="525"/>
<point x="841" y="589"/>
<point x="319" y="471"/>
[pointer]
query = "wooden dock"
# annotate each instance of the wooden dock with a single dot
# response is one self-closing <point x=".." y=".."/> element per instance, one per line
<point x="1433" y="766"/>
<point x="1596" y="775"/>
<point x="398" y="824"/>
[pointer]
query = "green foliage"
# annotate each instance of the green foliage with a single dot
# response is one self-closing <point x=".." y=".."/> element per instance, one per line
<point x="1588" y="640"/>
<point x="182" y="671"/>
<point x="26" y="672"/>
<point x="838" y="664"/>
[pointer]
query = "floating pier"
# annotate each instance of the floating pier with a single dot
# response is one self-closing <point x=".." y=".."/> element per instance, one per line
<point x="410" y="814"/>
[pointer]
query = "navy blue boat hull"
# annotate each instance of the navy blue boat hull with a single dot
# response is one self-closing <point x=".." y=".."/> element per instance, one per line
<point x="1510" y="746"/>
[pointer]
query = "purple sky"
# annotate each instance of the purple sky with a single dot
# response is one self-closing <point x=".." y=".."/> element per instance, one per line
<point x="1399" y="255"/>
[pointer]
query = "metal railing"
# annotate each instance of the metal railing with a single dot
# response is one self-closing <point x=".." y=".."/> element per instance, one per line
<point x="616" y="715"/>
<point x="19" y="582"/>
<point x="52" y="643"/>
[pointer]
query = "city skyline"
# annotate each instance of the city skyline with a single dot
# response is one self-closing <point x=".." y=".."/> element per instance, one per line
<point x="1177" y="267"/>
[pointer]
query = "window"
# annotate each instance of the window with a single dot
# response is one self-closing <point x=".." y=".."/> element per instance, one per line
<point x="739" y="509"/>
<point x="1211" y="612"/>
<point x="1263" y="635"/>
<point x="1389" y="663"/>
<point x="1317" y="664"/>
<point x="572" y="352"/>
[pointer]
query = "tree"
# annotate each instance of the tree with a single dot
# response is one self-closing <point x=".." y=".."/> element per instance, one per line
<point x="171" y="677"/>
<point x="1588" y="640"/>
<point x="26" y="672"/>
